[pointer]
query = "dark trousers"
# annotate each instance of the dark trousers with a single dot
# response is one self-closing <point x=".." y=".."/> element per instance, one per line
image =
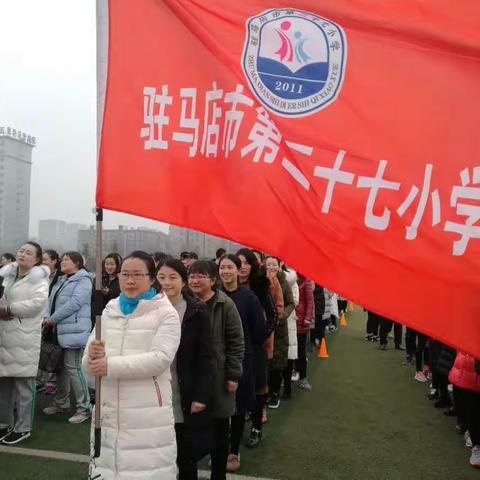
<point x="386" y="327"/>
<point x="237" y="426"/>
<point x="467" y="405"/>
<point x="415" y="343"/>
<point x="301" y="362"/>
<point x="257" y="412"/>
<point x="287" y="377"/>
<point x="373" y="324"/>
<point x="219" y="453"/>
<point x="275" y="381"/>
<point x="187" y="467"/>
<point x="321" y="329"/>
<point x="342" y="306"/>
<point x="440" y="382"/>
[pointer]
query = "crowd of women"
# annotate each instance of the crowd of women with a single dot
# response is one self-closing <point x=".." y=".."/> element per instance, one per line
<point x="453" y="376"/>
<point x="191" y="349"/>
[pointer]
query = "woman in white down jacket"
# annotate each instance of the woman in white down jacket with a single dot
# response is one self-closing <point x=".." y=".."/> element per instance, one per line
<point x="140" y="336"/>
<point x="25" y="295"/>
<point x="292" y="333"/>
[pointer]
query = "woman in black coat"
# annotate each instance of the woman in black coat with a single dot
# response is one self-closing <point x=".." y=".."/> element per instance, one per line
<point x="191" y="371"/>
<point x="254" y="334"/>
<point x="110" y="282"/>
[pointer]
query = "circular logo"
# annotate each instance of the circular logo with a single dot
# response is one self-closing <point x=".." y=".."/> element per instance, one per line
<point x="294" y="61"/>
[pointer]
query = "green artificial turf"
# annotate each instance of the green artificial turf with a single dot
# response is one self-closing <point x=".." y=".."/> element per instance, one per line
<point x="366" y="419"/>
<point x="17" y="467"/>
<point x="53" y="432"/>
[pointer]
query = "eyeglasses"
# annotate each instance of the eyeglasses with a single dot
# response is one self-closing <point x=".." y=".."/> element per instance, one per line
<point x="135" y="276"/>
<point x="198" y="277"/>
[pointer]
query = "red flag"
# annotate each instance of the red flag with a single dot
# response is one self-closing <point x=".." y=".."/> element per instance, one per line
<point x="341" y="136"/>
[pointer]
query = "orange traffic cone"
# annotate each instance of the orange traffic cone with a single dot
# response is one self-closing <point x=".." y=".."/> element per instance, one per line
<point x="343" y="320"/>
<point x="322" y="351"/>
<point x="350" y="307"/>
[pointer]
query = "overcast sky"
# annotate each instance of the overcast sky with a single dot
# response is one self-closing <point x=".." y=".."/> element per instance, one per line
<point x="47" y="89"/>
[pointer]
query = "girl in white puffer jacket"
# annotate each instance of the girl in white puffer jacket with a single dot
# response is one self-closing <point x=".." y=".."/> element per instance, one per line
<point x="25" y="296"/>
<point x="140" y="337"/>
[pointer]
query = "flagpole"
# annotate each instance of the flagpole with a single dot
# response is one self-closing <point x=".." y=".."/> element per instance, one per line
<point x="102" y="59"/>
<point x="98" y="307"/>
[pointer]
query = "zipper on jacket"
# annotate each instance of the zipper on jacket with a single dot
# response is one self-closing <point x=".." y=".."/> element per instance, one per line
<point x="118" y="403"/>
<point x="159" y="394"/>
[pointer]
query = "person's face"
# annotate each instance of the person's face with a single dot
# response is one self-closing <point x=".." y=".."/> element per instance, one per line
<point x="46" y="260"/>
<point x="200" y="284"/>
<point x="110" y="266"/>
<point x="245" y="269"/>
<point x="190" y="262"/>
<point x="228" y="272"/>
<point x="134" y="278"/>
<point x="68" y="266"/>
<point x="171" y="282"/>
<point x="4" y="261"/>
<point x="272" y="266"/>
<point x="26" y="256"/>
<point x="185" y="261"/>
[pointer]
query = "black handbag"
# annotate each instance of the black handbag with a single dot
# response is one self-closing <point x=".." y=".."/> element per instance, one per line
<point x="51" y="353"/>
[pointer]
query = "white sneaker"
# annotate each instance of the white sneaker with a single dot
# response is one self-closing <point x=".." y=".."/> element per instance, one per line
<point x="468" y="440"/>
<point x="78" y="418"/>
<point x="475" y="457"/>
<point x="420" y="377"/>
<point x="304" y="385"/>
<point x="52" y="409"/>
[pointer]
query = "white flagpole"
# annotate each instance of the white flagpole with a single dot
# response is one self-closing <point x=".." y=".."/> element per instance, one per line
<point x="102" y="59"/>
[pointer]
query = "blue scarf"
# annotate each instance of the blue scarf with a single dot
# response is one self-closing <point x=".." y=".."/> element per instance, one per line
<point x="128" y="305"/>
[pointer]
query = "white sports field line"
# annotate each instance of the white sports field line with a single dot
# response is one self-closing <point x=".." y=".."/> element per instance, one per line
<point x="75" y="457"/>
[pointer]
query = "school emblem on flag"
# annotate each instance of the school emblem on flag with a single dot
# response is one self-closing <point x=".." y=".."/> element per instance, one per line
<point x="294" y="61"/>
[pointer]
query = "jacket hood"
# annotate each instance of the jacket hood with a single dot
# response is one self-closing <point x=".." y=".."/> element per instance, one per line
<point x="113" y="306"/>
<point x="36" y="274"/>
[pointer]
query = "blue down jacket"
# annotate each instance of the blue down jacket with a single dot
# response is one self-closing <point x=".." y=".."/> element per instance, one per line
<point x="70" y="309"/>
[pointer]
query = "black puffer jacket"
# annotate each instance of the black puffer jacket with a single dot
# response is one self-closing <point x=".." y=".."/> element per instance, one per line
<point x="445" y="360"/>
<point x="319" y="300"/>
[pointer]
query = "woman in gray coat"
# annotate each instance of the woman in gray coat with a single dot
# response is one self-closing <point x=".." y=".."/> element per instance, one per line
<point x="227" y="341"/>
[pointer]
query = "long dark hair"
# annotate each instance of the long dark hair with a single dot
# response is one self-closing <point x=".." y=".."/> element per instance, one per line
<point x="181" y="269"/>
<point x="258" y="281"/>
<point x="251" y="260"/>
<point x="117" y="259"/>
<point x="55" y="257"/>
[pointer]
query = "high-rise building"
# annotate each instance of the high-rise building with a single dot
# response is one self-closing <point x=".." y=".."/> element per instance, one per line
<point x="59" y="235"/>
<point x="15" y="170"/>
